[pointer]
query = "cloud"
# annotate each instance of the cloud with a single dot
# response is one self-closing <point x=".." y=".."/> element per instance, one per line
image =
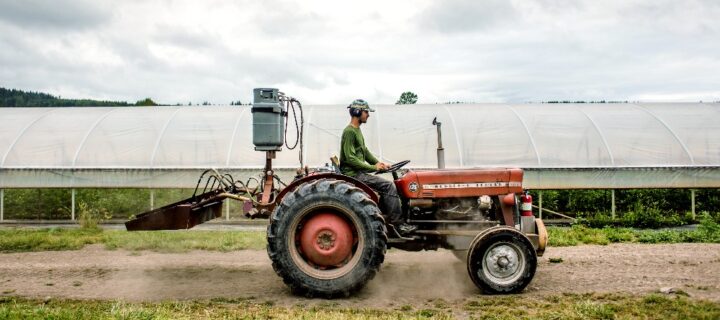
<point x="57" y="14"/>
<point x="461" y="16"/>
<point x="186" y="38"/>
<point x="326" y="52"/>
<point x="281" y="19"/>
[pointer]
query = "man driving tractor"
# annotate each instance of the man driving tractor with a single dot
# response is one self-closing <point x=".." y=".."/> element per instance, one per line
<point x="357" y="161"/>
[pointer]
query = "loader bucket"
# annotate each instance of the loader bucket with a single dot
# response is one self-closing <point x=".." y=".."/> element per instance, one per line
<point x="183" y="214"/>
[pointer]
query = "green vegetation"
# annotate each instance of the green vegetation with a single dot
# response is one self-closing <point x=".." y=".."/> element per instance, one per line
<point x="22" y="240"/>
<point x="636" y="208"/>
<point x="54" y="204"/>
<point x="19" y="98"/>
<point x="182" y="241"/>
<point x="646" y="208"/>
<point x="89" y="218"/>
<point x="567" y="306"/>
<point x="147" y="102"/>
<point x="38" y="204"/>
<point x="407" y="97"/>
<point x="640" y="217"/>
<point x="593" y="306"/>
<point x="708" y="231"/>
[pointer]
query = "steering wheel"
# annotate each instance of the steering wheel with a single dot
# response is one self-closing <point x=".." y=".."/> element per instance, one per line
<point x="394" y="167"/>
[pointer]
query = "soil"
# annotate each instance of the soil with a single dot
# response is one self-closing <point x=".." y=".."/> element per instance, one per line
<point x="406" y="278"/>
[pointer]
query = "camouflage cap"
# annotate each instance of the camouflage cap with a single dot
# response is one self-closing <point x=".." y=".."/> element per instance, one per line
<point x="361" y="104"/>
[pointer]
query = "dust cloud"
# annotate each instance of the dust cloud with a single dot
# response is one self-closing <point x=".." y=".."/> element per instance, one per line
<point x="406" y="278"/>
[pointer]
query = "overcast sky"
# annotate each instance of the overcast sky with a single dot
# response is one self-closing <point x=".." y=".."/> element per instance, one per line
<point x="326" y="52"/>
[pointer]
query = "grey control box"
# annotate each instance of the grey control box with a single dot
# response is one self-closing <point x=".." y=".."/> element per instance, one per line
<point x="268" y="113"/>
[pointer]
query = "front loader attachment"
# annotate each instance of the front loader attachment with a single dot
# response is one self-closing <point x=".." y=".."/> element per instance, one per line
<point x="183" y="214"/>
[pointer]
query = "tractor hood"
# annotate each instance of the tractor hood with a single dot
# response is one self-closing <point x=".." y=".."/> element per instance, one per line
<point x="454" y="183"/>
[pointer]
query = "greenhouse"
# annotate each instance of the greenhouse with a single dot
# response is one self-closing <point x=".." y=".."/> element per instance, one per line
<point x="561" y="146"/>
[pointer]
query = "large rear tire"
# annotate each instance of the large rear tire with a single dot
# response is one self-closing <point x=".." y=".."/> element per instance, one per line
<point x="501" y="260"/>
<point x="326" y="238"/>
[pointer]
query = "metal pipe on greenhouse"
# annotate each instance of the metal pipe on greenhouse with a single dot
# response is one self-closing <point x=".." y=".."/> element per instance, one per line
<point x="72" y="205"/>
<point x="540" y="207"/>
<point x="612" y="193"/>
<point x="692" y="202"/>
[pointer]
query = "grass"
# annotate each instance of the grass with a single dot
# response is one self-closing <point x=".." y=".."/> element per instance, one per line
<point x="23" y="240"/>
<point x="19" y="308"/>
<point x="593" y="306"/>
<point x="183" y="241"/>
<point x="707" y="232"/>
<point x="566" y="306"/>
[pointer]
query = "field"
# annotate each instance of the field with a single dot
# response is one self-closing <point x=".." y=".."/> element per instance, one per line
<point x="586" y="273"/>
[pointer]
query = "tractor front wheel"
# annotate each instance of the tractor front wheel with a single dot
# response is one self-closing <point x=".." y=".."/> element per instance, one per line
<point x="326" y="238"/>
<point x="501" y="260"/>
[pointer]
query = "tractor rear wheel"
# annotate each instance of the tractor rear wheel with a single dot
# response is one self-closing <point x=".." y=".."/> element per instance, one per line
<point x="501" y="260"/>
<point x="326" y="238"/>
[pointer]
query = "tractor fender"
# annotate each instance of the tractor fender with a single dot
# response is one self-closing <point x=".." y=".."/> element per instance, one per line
<point x="328" y="175"/>
<point x="483" y="236"/>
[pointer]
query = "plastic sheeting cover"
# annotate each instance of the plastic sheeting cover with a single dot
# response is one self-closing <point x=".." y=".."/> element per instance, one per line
<point x="552" y="136"/>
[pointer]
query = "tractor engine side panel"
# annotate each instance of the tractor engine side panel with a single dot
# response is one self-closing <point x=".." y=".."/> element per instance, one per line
<point x="459" y="183"/>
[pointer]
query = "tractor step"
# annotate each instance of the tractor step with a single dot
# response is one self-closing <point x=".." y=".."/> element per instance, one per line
<point x="183" y="214"/>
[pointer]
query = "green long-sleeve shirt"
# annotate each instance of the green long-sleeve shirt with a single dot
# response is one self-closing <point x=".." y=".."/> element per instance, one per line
<point x="354" y="155"/>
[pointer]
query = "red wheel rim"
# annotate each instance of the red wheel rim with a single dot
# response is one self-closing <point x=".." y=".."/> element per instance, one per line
<point x="326" y="240"/>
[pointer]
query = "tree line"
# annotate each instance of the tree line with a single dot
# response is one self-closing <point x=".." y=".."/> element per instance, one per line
<point x="10" y="98"/>
<point x="17" y="98"/>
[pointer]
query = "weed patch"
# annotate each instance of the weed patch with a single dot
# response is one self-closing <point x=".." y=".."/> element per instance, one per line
<point x="707" y="232"/>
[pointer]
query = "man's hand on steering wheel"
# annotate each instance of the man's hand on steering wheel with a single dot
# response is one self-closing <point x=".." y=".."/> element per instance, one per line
<point x="389" y="168"/>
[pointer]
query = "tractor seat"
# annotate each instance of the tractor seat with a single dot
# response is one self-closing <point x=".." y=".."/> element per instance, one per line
<point x="336" y="164"/>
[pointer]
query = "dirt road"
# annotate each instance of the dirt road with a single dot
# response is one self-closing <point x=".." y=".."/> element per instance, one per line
<point x="406" y="277"/>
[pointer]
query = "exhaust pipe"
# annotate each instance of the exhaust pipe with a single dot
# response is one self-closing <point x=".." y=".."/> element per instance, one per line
<point x="440" y="150"/>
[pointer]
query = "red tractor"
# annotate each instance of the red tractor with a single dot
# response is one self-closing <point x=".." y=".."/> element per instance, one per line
<point x="327" y="237"/>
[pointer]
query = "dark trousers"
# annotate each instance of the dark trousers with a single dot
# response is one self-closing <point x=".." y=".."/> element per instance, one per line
<point x="389" y="200"/>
